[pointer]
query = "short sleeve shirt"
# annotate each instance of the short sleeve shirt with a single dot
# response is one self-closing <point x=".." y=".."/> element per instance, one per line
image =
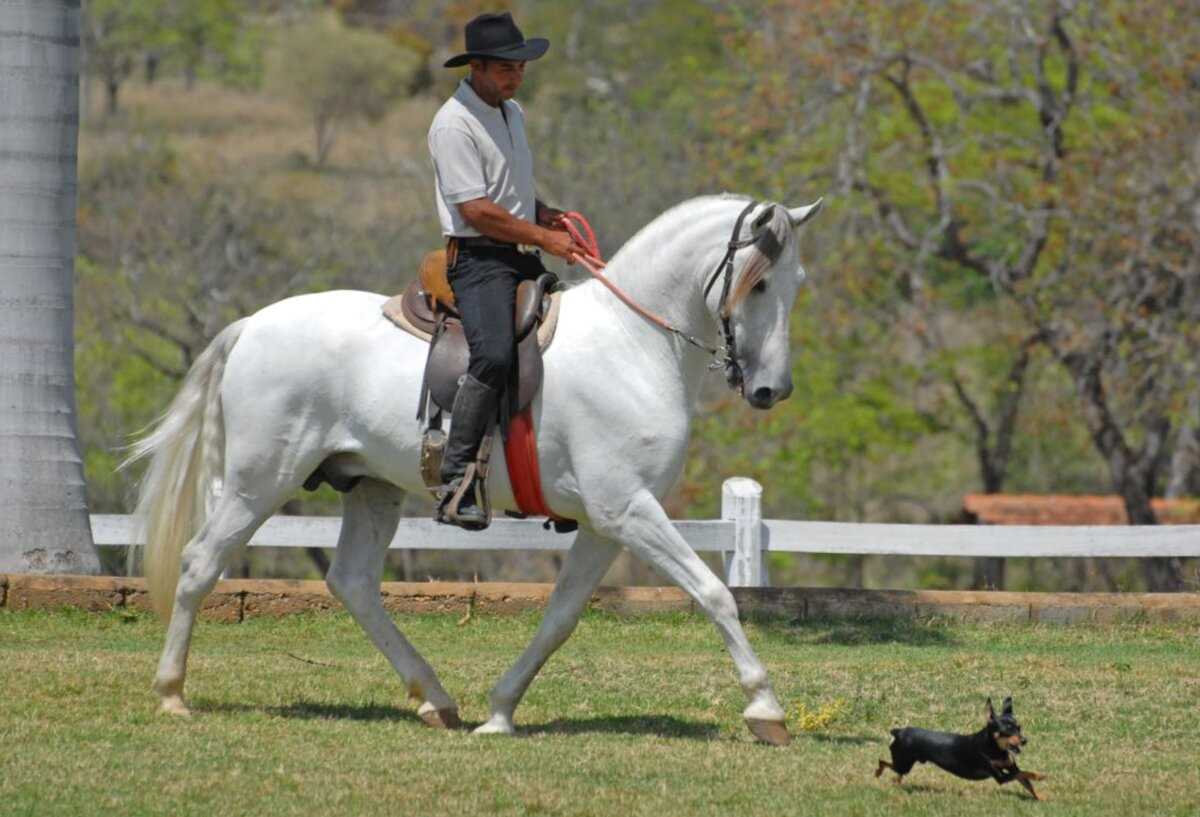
<point x="479" y="151"/>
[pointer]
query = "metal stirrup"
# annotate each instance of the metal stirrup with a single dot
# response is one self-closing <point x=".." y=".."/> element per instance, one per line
<point x="477" y="472"/>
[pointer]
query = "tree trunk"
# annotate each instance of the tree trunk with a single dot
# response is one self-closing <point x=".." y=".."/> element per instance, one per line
<point x="1163" y="575"/>
<point x="1185" y="463"/>
<point x="113" y="87"/>
<point x="993" y="446"/>
<point x="325" y="127"/>
<point x="153" y="59"/>
<point x="1133" y="473"/>
<point x="43" y="500"/>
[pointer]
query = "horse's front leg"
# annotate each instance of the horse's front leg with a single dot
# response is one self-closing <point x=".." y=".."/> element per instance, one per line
<point x="644" y="527"/>
<point x="586" y="563"/>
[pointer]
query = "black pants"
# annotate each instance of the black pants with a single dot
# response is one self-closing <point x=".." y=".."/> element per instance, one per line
<point x="484" y="280"/>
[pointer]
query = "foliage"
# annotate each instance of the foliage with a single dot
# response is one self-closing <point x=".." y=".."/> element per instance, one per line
<point x="194" y="35"/>
<point x="338" y="73"/>
<point x="829" y="451"/>
<point x="817" y="719"/>
<point x="167" y="258"/>
<point x="116" y="33"/>
<point x="203" y="28"/>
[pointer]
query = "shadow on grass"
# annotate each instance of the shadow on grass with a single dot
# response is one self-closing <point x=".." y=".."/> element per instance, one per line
<point x="918" y="788"/>
<point x="856" y="740"/>
<point x="665" y="726"/>
<point x="659" y="725"/>
<point x="309" y="710"/>
<point x="861" y="632"/>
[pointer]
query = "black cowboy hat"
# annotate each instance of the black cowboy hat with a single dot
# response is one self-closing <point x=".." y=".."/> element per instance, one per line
<point x="496" y="36"/>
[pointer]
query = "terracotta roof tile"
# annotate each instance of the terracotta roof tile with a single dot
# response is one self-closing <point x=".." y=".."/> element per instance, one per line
<point x="1061" y="509"/>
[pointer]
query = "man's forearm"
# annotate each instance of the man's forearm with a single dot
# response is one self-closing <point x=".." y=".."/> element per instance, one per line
<point x="493" y="221"/>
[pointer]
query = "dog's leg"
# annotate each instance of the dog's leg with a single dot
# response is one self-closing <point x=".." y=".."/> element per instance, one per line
<point x="883" y="764"/>
<point x="1024" y="778"/>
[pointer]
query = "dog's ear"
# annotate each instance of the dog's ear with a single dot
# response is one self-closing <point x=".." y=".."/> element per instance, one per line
<point x="1008" y="705"/>
<point x="991" y="713"/>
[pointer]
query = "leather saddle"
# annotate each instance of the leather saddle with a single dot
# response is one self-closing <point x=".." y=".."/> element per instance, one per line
<point x="427" y="305"/>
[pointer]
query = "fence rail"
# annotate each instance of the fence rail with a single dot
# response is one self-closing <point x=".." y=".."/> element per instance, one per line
<point x="745" y="538"/>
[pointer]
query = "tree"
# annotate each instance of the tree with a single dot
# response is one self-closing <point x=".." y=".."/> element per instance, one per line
<point x="117" y="34"/>
<point x="43" y="499"/>
<point x="1039" y="159"/>
<point x="339" y="74"/>
<point x="197" y="30"/>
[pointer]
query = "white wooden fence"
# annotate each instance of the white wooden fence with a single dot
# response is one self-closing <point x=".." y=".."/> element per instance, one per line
<point x="745" y="538"/>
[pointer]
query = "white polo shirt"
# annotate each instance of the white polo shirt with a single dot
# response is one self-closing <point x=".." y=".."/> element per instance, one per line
<point x="479" y="152"/>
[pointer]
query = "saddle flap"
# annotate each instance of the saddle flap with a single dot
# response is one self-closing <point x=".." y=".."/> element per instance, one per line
<point x="433" y="279"/>
<point x="530" y="296"/>
<point x="448" y="358"/>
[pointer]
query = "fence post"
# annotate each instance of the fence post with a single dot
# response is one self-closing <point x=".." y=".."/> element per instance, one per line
<point x="741" y="503"/>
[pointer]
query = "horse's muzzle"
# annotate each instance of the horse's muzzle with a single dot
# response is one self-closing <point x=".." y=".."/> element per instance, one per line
<point x="764" y="397"/>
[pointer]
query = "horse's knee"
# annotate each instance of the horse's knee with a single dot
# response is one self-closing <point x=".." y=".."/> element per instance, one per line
<point x="197" y="577"/>
<point x="716" y="600"/>
<point x="351" y="590"/>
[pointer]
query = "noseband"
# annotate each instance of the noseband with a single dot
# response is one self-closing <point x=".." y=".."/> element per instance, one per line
<point x="764" y="240"/>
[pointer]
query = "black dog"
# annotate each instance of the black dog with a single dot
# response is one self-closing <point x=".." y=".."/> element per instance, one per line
<point x="987" y="753"/>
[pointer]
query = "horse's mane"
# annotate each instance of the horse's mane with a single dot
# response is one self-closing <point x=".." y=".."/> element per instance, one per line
<point x="754" y="268"/>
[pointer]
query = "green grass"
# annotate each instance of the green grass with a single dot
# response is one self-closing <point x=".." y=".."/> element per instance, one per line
<point x="631" y="717"/>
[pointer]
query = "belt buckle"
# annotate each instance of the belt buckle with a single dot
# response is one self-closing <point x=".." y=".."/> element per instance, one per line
<point x="528" y="249"/>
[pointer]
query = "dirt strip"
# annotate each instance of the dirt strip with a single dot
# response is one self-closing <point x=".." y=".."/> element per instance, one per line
<point x="238" y="599"/>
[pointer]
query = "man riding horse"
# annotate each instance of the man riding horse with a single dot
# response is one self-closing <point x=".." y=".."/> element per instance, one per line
<point x="494" y="225"/>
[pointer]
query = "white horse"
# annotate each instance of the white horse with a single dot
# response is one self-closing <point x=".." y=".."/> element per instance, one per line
<point x="325" y="380"/>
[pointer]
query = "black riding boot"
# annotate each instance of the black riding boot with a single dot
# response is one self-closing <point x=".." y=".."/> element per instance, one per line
<point x="473" y="416"/>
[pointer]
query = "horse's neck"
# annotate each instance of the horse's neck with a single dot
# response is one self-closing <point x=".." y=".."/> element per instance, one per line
<point x="663" y="269"/>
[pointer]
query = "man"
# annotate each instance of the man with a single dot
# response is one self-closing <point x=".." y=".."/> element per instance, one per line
<point x="490" y="217"/>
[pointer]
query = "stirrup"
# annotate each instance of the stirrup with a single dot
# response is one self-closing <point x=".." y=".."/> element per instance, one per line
<point x="451" y="500"/>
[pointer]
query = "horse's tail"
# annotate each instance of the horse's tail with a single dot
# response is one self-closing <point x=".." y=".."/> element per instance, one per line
<point x="187" y="450"/>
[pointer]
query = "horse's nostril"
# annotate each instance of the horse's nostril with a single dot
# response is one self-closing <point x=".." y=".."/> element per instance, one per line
<point x="763" y="395"/>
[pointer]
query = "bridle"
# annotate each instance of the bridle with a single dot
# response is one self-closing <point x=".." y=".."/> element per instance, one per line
<point x="761" y="237"/>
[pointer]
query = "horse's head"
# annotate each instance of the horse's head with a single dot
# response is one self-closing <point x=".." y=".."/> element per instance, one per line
<point x="752" y="295"/>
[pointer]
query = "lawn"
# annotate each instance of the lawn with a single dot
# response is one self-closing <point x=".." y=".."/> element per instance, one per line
<point x="632" y="717"/>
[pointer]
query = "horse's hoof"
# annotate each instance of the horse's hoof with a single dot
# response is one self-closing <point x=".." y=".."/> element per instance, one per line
<point x="773" y="733"/>
<point x="439" y="718"/>
<point x="495" y="726"/>
<point x="174" y="705"/>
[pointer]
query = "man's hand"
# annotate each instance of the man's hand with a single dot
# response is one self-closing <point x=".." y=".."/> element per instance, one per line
<point x="494" y="221"/>
<point x="560" y="243"/>
<point x="550" y="217"/>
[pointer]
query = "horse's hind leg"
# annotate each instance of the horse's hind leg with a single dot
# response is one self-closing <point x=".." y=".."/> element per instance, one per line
<point x="370" y="513"/>
<point x="232" y="523"/>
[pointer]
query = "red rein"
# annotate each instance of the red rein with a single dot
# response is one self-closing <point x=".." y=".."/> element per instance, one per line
<point x="594" y="264"/>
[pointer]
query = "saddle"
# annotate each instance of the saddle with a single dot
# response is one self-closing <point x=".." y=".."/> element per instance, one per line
<point x="427" y="309"/>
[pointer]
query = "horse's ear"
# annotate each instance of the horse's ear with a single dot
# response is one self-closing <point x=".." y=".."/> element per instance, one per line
<point x="799" y="215"/>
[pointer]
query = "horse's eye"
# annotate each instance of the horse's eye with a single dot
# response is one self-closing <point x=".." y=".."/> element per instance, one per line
<point x="761" y="286"/>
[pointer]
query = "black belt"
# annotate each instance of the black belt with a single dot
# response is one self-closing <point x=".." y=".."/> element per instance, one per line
<point x="482" y="241"/>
